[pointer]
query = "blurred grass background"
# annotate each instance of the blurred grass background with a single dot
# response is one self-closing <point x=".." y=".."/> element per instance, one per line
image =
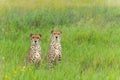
<point x="90" y="38"/>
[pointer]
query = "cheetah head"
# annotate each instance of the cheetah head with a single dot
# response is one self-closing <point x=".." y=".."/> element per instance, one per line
<point x="56" y="35"/>
<point x="35" y="38"/>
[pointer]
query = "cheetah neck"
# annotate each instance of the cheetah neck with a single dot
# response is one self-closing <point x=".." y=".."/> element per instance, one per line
<point x="55" y="44"/>
<point x="36" y="46"/>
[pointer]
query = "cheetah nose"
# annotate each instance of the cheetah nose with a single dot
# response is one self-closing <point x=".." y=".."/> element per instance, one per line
<point x="56" y="37"/>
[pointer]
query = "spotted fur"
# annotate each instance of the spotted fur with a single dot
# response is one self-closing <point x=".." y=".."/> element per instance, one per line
<point x="55" y="50"/>
<point x="34" y="55"/>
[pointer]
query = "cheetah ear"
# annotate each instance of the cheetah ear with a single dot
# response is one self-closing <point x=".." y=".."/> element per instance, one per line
<point x="31" y="35"/>
<point x="40" y="35"/>
<point x="52" y="31"/>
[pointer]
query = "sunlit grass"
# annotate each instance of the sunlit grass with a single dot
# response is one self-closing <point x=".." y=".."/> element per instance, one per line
<point x="58" y="4"/>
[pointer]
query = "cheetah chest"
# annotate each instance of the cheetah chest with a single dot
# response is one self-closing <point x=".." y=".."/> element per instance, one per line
<point x="56" y="50"/>
<point x="36" y="53"/>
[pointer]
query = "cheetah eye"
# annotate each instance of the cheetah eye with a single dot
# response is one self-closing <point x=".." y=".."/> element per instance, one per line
<point x="32" y="37"/>
<point x="37" y="37"/>
<point x="58" y="33"/>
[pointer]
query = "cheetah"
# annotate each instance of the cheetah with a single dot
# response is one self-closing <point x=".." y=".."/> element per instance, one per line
<point x="34" y="55"/>
<point x="55" y="50"/>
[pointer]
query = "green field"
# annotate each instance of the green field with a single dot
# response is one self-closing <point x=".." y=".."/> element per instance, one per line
<point x="90" y="39"/>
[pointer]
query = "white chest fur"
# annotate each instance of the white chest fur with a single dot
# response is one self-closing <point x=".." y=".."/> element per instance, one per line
<point x="36" y="52"/>
<point x="56" y="48"/>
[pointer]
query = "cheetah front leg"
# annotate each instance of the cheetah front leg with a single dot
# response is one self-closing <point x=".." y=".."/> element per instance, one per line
<point x="60" y="56"/>
<point x="37" y="64"/>
<point x="50" y="64"/>
<point x="51" y="61"/>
